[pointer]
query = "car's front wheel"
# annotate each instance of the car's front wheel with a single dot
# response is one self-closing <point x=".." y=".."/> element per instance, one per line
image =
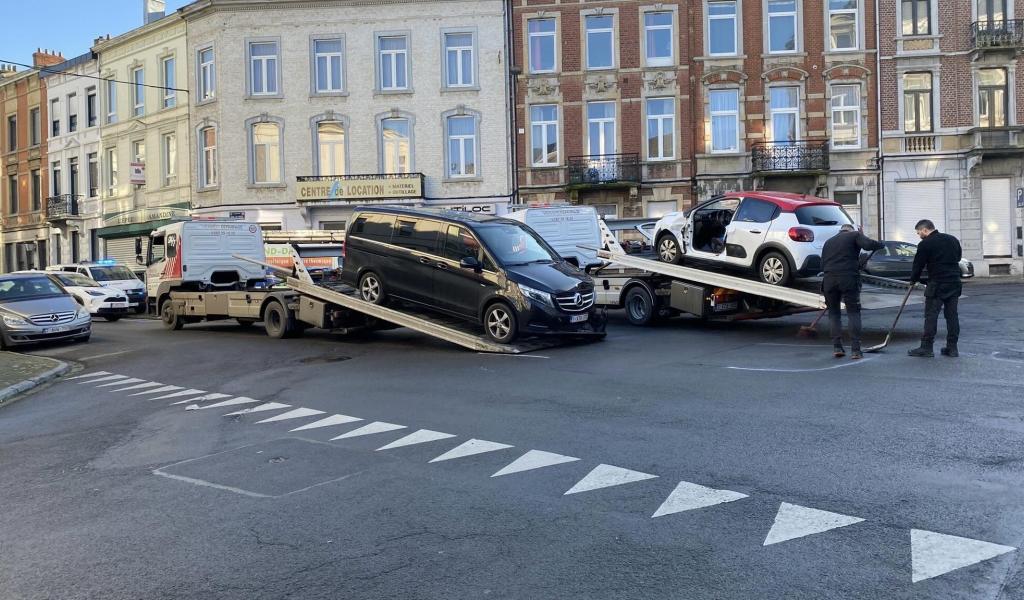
<point x="500" y="323"/>
<point x="773" y="268"/>
<point x="668" y="249"/>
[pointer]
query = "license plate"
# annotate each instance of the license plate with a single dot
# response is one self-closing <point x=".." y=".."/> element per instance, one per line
<point x="726" y="306"/>
<point x="118" y="305"/>
<point x="578" y="318"/>
<point x="57" y="329"/>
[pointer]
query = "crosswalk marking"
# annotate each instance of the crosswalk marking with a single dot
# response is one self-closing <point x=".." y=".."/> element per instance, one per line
<point x="327" y="422"/>
<point x="213" y="396"/>
<point x="603" y="476"/>
<point x="794" y="521"/>
<point x="105" y="378"/>
<point x="165" y="388"/>
<point x="232" y="402"/>
<point x="260" y="408"/>
<point x="297" y="413"/>
<point x="85" y="375"/>
<point x="148" y="384"/>
<point x="534" y="459"/>
<point x="690" y="496"/>
<point x="370" y="429"/>
<point x="188" y="392"/>
<point x="471" y="448"/>
<point x="122" y="382"/>
<point x="417" y="437"/>
<point x="933" y="554"/>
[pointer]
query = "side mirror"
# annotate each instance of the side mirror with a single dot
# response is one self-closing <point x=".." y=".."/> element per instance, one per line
<point x="138" y="246"/>
<point x="470" y="262"/>
<point x="140" y="260"/>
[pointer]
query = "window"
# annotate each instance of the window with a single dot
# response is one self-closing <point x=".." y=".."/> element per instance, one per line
<point x="458" y="60"/>
<point x="138" y="92"/>
<point x="111" y="101"/>
<point x="55" y="179"/>
<point x="722" y="27"/>
<point x="658" y="38"/>
<point x="851" y="204"/>
<point x="992" y="14"/>
<point x="601" y="127"/>
<point x="327" y="66"/>
<point x="459" y="243"/>
<point x="842" y="24"/>
<point x="661" y="119"/>
<point x="169" y="158"/>
<point x="93" y="183"/>
<point x="725" y="119"/>
<point x="375" y="227"/>
<point x="330" y="139"/>
<point x="72" y="113"/>
<point x="782" y="26"/>
<point x="169" y="96"/>
<point x="992" y="98"/>
<point x="138" y="155"/>
<point x="35" y="130"/>
<point x="73" y="176"/>
<point x="54" y="117"/>
<point x="393" y="57"/>
<point x="461" y="146"/>
<point x="208" y="157"/>
<point x="263" y="73"/>
<point x="419" y="235"/>
<point x="12" y="194"/>
<point x="90" y="107"/>
<point x="541" y="34"/>
<point x="207" y="74"/>
<point x="846" y="116"/>
<point x="600" y="44"/>
<point x="916" y="17"/>
<point x="12" y="133"/>
<point x="111" y="156"/>
<point x="753" y="210"/>
<point x="266" y="153"/>
<point x="544" y="134"/>
<point x="784" y="106"/>
<point x="395" y="145"/>
<point x="37" y="190"/>
<point x="917" y="102"/>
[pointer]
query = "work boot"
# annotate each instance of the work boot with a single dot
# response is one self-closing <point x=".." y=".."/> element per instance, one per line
<point x="838" y="351"/>
<point x="925" y="351"/>
<point x="950" y="350"/>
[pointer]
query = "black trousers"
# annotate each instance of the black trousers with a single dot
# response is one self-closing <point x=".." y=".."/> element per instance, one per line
<point x="838" y="288"/>
<point x="941" y="296"/>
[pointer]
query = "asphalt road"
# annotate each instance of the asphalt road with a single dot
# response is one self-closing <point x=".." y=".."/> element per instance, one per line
<point x="775" y="470"/>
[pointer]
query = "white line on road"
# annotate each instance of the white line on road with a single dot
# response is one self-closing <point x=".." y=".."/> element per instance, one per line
<point x="933" y="554"/>
<point x="328" y="421"/>
<point x="140" y="386"/>
<point x="534" y="459"/>
<point x="232" y="402"/>
<point x="297" y="413"/>
<point x="792" y="522"/>
<point x="471" y="448"/>
<point x="417" y="437"/>
<point x="210" y="484"/>
<point x="690" y="496"/>
<point x="260" y="408"/>
<point x="513" y="355"/>
<point x="213" y="396"/>
<point x="850" y="363"/>
<point x="188" y="392"/>
<point x="104" y="378"/>
<point x="122" y="382"/>
<point x="370" y="429"/>
<point x="108" y="354"/>
<point x="84" y="375"/>
<point x="603" y="476"/>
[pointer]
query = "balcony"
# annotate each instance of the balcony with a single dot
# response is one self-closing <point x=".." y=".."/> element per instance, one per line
<point x="61" y="208"/>
<point x="805" y="156"/>
<point x="997" y="141"/>
<point x="996" y="35"/>
<point x="604" y="170"/>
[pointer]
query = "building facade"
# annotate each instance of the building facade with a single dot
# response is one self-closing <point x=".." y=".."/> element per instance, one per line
<point x="144" y="135"/>
<point x="953" y="124"/>
<point x="301" y="112"/>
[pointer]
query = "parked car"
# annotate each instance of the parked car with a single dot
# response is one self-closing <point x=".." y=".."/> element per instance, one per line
<point x="102" y="301"/>
<point x="111" y="274"/>
<point x="486" y="270"/>
<point x="896" y="261"/>
<point x="776" y="235"/>
<point x="35" y="308"/>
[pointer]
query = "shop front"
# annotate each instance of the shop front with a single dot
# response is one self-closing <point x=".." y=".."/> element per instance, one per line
<point x="121" y="230"/>
<point x="329" y="201"/>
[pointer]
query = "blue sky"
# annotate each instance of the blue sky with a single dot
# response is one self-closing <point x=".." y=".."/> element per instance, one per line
<point x="67" y="26"/>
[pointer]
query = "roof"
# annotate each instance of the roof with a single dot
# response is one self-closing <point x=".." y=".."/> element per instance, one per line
<point x="457" y="216"/>
<point x="786" y="200"/>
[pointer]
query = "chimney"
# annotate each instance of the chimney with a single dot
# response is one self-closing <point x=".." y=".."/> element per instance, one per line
<point x="46" y="58"/>
<point x="7" y="70"/>
<point x="152" y="10"/>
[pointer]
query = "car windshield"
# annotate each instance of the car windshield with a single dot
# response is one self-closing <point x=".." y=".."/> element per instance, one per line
<point x="76" y="279"/>
<point x="822" y="214"/>
<point x="515" y="245"/>
<point x="903" y="249"/>
<point x="111" y="273"/>
<point x="27" y="288"/>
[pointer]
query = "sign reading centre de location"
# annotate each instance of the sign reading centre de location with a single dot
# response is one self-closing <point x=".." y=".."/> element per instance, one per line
<point x="359" y="187"/>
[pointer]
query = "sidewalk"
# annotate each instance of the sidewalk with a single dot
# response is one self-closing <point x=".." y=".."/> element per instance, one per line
<point x="22" y="372"/>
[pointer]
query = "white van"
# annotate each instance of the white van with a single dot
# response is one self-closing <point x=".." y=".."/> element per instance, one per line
<point x="110" y="274"/>
<point x="565" y="228"/>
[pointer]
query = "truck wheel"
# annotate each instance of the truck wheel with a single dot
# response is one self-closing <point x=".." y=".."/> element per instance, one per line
<point x="668" y="250"/>
<point x="278" y="322"/>
<point x="170" y="317"/>
<point x="112" y="318"/>
<point x="371" y="288"/>
<point x="500" y="323"/>
<point x="773" y="268"/>
<point x="639" y="306"/>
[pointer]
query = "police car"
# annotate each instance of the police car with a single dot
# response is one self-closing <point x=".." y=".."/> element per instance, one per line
<point x="110" y="274"/>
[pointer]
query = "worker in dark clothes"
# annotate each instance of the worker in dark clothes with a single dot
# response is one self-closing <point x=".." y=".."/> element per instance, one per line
<point x="840" y="260"/>
<point x="940" y="253"/>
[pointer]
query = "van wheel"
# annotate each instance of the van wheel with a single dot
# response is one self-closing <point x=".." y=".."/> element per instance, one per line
<point x="639" y="306"/>
<point x="773" y="268"/>
<point x="112" y="318"/>
<point x="500" y="323"/>
<point x="170" y="317"/>
<point x="371" y="288"/>
<point x="668" y="250"/>
<point x="278" y="322"/>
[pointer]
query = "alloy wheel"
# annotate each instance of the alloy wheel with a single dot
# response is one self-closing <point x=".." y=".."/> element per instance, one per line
<point x="499" y="323"/>
<point x="370" y="289"/>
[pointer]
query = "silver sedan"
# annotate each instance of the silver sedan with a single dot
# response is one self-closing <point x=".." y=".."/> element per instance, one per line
<point x="34" y="308"/>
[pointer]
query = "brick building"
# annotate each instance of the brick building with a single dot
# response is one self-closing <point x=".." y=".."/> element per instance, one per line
<point x="23" y="135"/>
<point x="953" y="124"/>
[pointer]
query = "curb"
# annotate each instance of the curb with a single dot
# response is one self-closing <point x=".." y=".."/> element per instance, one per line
<point x="34" y="382"/>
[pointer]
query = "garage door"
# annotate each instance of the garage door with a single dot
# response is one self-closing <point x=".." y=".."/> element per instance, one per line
<point x="122" y="250"/>
<point x="996" y="217"/>
<point x="916" y="200"/>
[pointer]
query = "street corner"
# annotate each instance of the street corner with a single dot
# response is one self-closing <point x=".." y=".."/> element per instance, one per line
<point x="20" y="373"/>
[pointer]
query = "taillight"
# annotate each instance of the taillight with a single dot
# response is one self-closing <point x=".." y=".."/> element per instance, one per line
<point x="801" y="234"/>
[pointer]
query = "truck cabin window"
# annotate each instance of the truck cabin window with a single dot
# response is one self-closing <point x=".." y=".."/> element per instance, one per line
<point x="156" y="249"/>
<point x="172" y="246"/>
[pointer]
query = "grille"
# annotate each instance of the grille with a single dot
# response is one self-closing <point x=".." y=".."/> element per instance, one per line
<point x="52" y="318"/>
<point x="117" y="299"/>
<point x="575" y="301"/>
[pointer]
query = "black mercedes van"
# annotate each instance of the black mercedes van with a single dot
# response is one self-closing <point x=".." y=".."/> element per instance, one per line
<point x="492" y="271"/>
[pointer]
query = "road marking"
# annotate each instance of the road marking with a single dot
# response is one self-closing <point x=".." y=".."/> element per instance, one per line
<point x="603" y="476"/>
<point x="260" y="408"/>
<point x="328" y="421"/>
<point x="210" y="484"/>
<point x="792" y="522"/>
<point x="690" y="496"/>
<point x="417" y="437"/>
<point x="513" y="355"/>
<point x="933" y="554"/>
<point x="850" y="363"/>
<point x="148" y="384"/>
<point x="84" y="375"/>
<point x="470" y="448"/>
<point x="293" y="414"/>
<point x="188" y="392"/>
<point x="213" y="396"/>
<point x="122" y="382"/>
<point x="108" y="354"/>
<point x="104" y="378"/>
<point x="534" y="459"/>
<point x="370" y="429"/>
<point x="232" y="402"/>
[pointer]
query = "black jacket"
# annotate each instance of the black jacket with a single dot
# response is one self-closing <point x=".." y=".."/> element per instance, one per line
<point x="841" y="254"/>
<point x="940" y="253"/>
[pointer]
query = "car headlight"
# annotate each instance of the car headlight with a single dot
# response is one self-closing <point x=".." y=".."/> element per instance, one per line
<point x="94" y="293"/>
<point x="14" y="320"/>
<point x="82" y="313"/>
<point x="539" y="296"/>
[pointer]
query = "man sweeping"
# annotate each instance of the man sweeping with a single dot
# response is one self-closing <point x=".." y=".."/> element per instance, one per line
<point x="940" y="253"/>
<point x="840" y="260"/>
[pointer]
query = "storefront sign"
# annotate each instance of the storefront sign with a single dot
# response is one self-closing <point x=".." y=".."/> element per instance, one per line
<point x="141" y="215"/>
<point x="281" y="255"/>
<point x="359" y="188"/>
<point x="1020" y="197"/>
<point x="137" y="175"/>
<point x="480" y="209"/>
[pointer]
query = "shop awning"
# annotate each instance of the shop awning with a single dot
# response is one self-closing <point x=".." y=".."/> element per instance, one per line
<point x="132" y="229"/>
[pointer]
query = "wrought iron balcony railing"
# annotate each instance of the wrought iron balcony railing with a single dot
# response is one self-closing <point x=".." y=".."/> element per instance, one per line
<point x="62" y="207"/>
<point x="803" y="155"/>
<point x="597" y="169"/>
<point x="1004" y="33"/>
